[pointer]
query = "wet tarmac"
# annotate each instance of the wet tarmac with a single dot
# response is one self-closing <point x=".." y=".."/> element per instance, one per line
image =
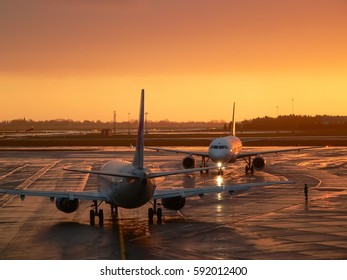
<point x="270" y="223"/>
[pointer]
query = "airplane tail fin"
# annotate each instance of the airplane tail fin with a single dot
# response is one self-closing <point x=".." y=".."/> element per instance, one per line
<point x="234" y="123"/>
<point x="138" y="157"/>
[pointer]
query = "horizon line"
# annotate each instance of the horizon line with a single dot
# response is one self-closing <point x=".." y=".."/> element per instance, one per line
<point x="171" y="121"/>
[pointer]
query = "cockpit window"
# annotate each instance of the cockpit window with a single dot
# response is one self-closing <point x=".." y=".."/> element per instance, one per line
<point x="223" y="147"/>
<point x="219" y="147"/>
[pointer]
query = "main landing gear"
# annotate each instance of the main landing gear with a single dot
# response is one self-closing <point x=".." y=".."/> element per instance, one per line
<point x="96" y="213"/>
<point x="204" y="164"/>
<point x="155" y="211"/>
<point x="249" y="167"/>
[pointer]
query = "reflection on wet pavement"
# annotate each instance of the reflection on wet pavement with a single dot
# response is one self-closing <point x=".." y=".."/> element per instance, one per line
<point x="263" y="223"/>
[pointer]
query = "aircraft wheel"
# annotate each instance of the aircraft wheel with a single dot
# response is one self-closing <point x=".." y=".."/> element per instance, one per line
<point x="92" y="217"/>
<point x="101" y="218"/>
<point x="150" y="215"/>
<point x="159" y="215"/>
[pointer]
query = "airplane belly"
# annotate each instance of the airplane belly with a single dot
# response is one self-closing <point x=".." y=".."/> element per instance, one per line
<point x="133" y="196"/>
<point x="127" y="193"/>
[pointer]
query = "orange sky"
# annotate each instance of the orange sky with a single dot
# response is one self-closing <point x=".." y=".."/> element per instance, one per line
<point x="83" y="59"/>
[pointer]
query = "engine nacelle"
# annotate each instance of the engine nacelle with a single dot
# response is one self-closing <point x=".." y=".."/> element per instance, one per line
<point x="258" y="163"/>
<point x="188" y="162"/>
<point x="66" y="205"/>
<point x="174" y="203"/>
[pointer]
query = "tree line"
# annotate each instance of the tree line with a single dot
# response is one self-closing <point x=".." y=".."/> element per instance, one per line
<point x="291" y="122"/>
<point x="286" y="122"/>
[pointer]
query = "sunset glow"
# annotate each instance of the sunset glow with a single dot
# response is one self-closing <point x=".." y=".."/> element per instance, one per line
<point x="84" y="59"/>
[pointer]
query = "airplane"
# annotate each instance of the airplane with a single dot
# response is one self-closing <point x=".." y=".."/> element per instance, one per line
<point x="228" y="149"/>
<point x="131" y="185"/>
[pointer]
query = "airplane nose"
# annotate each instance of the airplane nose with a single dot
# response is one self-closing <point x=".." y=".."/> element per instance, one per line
<point x="218" y="155"/>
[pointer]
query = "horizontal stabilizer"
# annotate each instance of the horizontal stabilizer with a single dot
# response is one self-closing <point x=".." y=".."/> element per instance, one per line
<point x="179" y="171"/>
<point x="105" y="173"/>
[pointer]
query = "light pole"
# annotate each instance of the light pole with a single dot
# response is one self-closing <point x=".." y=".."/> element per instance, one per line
<point x="128" y="123"/>
<point x="292" y="106"/>
<point x="114" y="122"/>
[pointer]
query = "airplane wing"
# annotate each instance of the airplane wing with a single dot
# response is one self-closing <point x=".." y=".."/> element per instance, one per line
<point x="257" y="153"/>
<point x="194" y="153"/>
<point x="187" y="192"/>
<point x="56" y="194"/>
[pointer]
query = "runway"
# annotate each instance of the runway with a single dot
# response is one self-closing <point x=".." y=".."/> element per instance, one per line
<point x="264" y="223"/>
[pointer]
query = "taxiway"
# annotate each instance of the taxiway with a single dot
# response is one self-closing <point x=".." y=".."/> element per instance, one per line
<point x="264" y="223"/>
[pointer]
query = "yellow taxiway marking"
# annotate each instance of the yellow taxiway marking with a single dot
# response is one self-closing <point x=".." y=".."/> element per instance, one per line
<point x="121" y="240"/>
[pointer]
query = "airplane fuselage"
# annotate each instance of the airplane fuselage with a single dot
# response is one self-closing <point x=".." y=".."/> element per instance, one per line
<point x="225" y="149"/>
<point x="126" y="192"/>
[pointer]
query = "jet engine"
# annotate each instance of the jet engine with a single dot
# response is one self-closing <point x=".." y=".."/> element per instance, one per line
<point x="174" y="203"/>
<point x="258" y="163"/>
<point x="188" y="162"/>
<point x="66" y="205"/>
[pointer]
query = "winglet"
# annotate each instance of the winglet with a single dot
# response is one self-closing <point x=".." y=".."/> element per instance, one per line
<point x="138" y="157"/>
<point x="233" y="120"/>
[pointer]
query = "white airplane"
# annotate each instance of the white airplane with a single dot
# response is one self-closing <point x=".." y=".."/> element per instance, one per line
<point x="130" y="185"/>
<point x="227" y="150"/>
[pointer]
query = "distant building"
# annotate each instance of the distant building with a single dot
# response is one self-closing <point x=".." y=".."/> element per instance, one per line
<point x="106" y="132"/>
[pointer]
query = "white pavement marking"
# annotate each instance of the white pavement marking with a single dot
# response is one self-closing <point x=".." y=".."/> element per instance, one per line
<point x="29" y="181"/>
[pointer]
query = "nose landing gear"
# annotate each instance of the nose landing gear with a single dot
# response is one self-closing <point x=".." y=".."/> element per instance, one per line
<point x="220" y="171"/>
